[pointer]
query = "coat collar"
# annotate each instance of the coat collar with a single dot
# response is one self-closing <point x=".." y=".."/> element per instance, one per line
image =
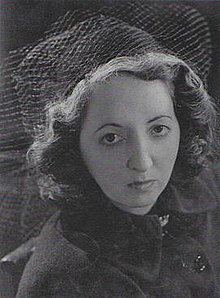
<point x="129" y="242"/>
<point x="200" y="195"/>
<point x="134" y="243"/>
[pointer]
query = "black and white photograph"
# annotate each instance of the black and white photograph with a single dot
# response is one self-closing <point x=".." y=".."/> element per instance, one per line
<point x="110" y="149"/>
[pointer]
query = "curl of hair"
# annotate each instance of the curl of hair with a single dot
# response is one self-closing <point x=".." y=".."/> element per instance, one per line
<point x="63" y="175"/>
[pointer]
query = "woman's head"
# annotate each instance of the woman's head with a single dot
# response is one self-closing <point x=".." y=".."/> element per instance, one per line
<point x="153" y="84"/>
<point x="129" y="140"/>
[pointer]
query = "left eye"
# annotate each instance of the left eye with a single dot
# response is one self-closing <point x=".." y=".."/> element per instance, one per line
<point x="111" y="139"/>
<point x="160" y="130"/>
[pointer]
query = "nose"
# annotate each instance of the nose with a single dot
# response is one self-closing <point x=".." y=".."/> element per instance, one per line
<point x="141" y="158"/>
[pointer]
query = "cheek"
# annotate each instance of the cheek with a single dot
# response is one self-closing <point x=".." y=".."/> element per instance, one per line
<point x="107" y="174"/>
<point x="107" y="165"/>
<point x="170" y="153"/>
<point x="103" y="163"/>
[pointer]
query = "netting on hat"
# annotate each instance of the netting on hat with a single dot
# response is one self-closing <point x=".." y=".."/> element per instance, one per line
<point x="52" y="69"/>
<point x="49" y="69"/>
<point x="82" y="40"/>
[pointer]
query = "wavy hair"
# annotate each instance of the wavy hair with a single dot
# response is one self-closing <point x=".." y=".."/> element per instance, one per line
<point x="63" y="176"/>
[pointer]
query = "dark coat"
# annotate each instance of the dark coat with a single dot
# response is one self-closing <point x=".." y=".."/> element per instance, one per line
<point x="106" y="252"/>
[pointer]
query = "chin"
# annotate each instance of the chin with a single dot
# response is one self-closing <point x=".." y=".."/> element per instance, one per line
<point x="135" y="203"/>
<point x="137" y="210"/>
<point x="141" y="211"/>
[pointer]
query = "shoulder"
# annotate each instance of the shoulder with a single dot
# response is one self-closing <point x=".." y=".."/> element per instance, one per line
<point x="56" y="250"/>
<point x="201" y="194"/>
<point x="54" y="261"/>
<point x="210" y="178"/>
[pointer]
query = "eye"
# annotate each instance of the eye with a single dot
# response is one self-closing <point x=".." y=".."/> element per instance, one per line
<point x="111" y="139"/>
<point x="160" y="130"/>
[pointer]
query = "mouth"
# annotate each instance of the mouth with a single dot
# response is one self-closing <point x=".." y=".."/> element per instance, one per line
<point x="142" y="185"/>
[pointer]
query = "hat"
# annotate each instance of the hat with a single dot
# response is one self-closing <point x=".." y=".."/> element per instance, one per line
<point x="84" y="39"/>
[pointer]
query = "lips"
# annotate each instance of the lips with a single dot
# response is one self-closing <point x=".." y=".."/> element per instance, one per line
<point x="142" y="185"/>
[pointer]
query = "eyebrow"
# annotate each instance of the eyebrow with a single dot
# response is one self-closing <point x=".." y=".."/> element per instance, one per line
<point x="159" y="117"/>
<point x="118" y="125"/>
<point x="108" y="124"/>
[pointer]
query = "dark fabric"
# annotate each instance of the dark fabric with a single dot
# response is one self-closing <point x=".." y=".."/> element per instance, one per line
<point x="106" y="252"/>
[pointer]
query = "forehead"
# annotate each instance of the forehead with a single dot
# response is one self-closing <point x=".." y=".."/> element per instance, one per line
<point x="126" y="96"/>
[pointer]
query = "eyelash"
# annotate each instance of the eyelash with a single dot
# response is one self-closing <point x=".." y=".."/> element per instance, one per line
<point x="104" y="142"/>
<point x="163" y="134"/>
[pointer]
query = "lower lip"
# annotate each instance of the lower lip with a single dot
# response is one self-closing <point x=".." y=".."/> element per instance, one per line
<point x="142" y="187"/>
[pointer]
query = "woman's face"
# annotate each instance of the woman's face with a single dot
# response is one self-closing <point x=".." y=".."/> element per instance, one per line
<point x="130" y="139"/>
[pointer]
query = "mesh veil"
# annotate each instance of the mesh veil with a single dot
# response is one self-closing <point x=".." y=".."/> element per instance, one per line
<point x="82" y="40"/>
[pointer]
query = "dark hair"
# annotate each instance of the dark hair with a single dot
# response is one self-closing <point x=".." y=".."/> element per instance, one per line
<point x="62" y="173"/>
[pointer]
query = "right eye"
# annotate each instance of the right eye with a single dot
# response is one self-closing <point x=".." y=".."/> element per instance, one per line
<point x="111" y="139"/>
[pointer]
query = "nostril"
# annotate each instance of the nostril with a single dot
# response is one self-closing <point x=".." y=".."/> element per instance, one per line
<point x="129" y="164"/>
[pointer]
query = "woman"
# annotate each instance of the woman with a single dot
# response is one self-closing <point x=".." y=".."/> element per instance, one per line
<point x="129" y="128"/>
